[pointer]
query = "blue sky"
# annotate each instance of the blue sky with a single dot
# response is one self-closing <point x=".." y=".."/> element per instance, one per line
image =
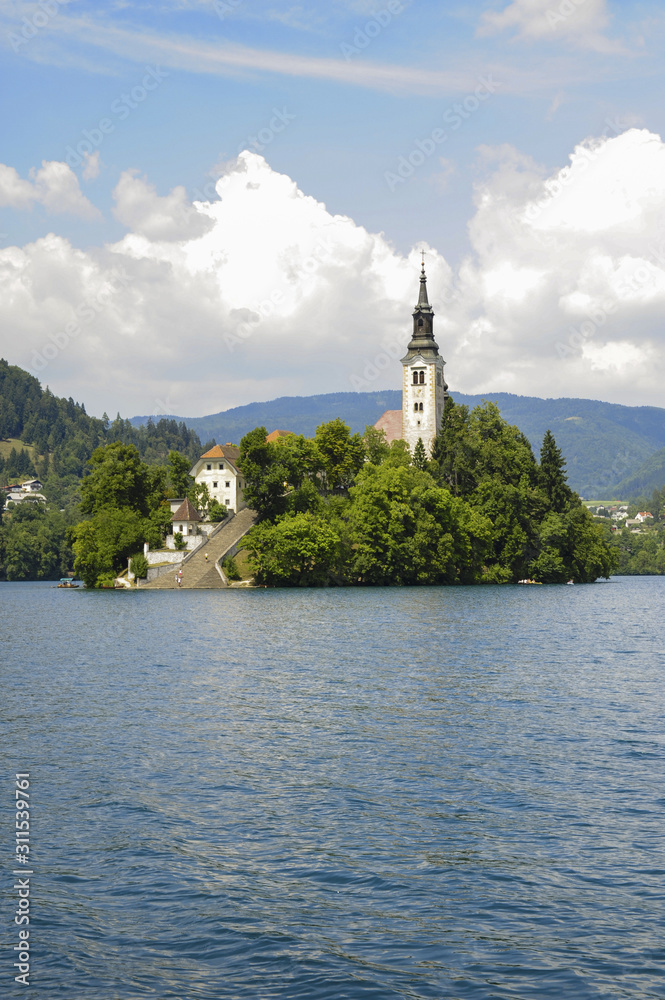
<point x="428" y="123"/>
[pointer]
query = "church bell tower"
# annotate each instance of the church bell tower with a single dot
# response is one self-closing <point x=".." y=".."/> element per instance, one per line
<point x="424" y="389"/>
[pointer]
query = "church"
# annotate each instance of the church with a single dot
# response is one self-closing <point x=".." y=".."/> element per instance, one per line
<point x="424" y="393"/>
<point x="424" y="388"/>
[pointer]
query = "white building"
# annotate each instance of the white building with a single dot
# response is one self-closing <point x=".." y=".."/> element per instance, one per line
<point x="217" y="469"/>
<point x="424" y="389"/>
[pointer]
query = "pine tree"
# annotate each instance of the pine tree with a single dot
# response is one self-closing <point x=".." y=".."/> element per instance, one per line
<point x="552" y="477"/>
<point x="420" y="456"/>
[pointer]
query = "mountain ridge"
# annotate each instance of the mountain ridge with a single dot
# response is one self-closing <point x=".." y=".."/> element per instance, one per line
<point x="605" y="444"/>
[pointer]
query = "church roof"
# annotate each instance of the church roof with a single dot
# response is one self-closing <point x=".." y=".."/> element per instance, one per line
<point x="186" y="512"/>
<point x="229" y="451"/>
<point x="391" y="423"/>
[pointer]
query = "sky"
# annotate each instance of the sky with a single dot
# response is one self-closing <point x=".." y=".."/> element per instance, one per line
<point x="207" y="203"/>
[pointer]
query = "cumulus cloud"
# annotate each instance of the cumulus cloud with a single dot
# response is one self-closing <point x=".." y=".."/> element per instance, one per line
<point x="563" y="291"/>
<point x="582" y="23"/>
<point x="171" y="217"/>
<point x="55" y="186"/>
<point x="263" y="292"/>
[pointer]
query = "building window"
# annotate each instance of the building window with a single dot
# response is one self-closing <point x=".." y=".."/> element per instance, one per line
<point x="180" y="529"/>
<point x="214" y="486"/>
<point x="221" y="465"/>
<point x="415" y="378"/>
<point x="420" y="407"/>
<point x="227" y="502"/>
<point x="208" y="468"/>
<point x="415" y="407"/>
<point x="227" y="485"/>
<point x="419" y="423"/>
<point x="422" y="378"/>
<point x="420" y="322"/>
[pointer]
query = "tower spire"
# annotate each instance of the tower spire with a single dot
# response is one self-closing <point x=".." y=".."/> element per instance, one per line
<point x="422" y="340"/>
<point x="424" y="388"/>
<point x="423" y="302"/>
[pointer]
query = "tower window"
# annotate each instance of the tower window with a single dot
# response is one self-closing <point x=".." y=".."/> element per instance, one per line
<point x="415" y="407"/>
<point x="420" y="407"/>
<point x="415" y="378"/>
<point x="438" y="378"/>
<point x="422" y="378"/>
<point x="420" y="322"/>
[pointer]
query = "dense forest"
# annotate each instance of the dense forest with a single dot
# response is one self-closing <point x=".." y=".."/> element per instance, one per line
<point x="358" y="511"/>
<point x="51" y="438"/>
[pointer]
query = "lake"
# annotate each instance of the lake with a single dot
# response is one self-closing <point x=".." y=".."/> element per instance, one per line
<point x="362" y="793"/>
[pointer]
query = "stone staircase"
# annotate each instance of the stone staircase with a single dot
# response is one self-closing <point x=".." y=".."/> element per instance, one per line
<point x="197" y="574"/>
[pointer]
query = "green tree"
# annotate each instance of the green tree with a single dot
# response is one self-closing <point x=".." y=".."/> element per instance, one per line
<point x="552" y="477"/>
<point x="33" y="543"/>
<point x="264" y="475"/>
<point x="299" y="550"/>
<point x="139" y="566"/>
<point x="454" y="450"/>
<point x="179" y="541"/>
<point x="408" y="530"/>
<point x="103" y="544"/>
<point x="179" y="477"/>
<point x="125" y="498"/>
<point x="376" y="445"/>
<point x="342" y="453"/>
<point x="420" y="456"/>
<point x="118" y="479"/>
<point x="216" y="511"/>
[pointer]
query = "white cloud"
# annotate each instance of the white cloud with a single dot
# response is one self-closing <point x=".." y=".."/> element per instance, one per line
<point x="91" y="165"/>
<point x="265" y="293"/>
<point x="14" y="191"/>
<point x="55" y="186"/>
<point x="171" y="217"/>
<point x="567" y="270"/>
<point x="579" y="22"/>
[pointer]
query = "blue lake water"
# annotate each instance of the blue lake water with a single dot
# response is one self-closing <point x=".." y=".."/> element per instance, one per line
<point x="371" y="794"/>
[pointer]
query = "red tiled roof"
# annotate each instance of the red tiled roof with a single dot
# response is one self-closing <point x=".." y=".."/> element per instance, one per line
<point x="227" y="451"/>
<point x="391" y="423"/>
<point x="276" y="435"/>
<point x="186" y="512"/>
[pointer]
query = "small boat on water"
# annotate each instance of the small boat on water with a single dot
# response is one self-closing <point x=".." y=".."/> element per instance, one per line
<point x="67" y="584"/>
<point x="534" y="583"/>
<point x="570" y="583"/>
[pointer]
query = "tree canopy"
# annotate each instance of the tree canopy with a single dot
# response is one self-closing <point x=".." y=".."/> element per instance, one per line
<point x="481" y="510"/>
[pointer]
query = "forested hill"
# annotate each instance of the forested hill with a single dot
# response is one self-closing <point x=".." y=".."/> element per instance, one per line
<point x="52" y="438"/>
<point x="603" y="443"/>
<point x="609" y="449"/>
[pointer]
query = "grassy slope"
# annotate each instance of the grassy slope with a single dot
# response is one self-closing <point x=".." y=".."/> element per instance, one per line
<point x="6" y="445"/>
